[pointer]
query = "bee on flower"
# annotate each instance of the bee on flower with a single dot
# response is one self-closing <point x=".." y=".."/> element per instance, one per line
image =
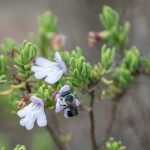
<point x="66" y="101"/>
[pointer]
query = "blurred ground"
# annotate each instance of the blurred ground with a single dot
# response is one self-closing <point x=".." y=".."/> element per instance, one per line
<point x="77" y="18"/>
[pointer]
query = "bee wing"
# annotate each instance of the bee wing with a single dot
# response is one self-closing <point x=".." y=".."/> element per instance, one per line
<point x="65" y="88"/>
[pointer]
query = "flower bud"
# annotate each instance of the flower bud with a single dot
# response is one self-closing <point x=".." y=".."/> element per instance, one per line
<point x="58" y="41"/>
<point x="94" y="38"/>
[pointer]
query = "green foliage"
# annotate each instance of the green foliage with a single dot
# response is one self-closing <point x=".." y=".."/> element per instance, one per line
<point x="104" y="67"/>
<point x="145" y="63"/>
<point x="122" y="77"/>
<point x="20" y="147"/>
<point x="113" y="32"/>
<point x="47" y="23"/>
<point x="131" y="59"/>
<point x="23" y="60"/>
<point x="107" y="57"/>
<point x="3" y="65"/>
<point x="45" y="92"/>
<point x="47" y="27"/>
<point x="112" y="144"/>
<point x="109" y="18"/>
<point x="79" y="70"/>
<point x="3" y="69"/>
<point x="8" y="45"/>
<point x="3" y="148"/>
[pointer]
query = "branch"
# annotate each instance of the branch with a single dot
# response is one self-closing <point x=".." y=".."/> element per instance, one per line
<point x="12" y="89"/>
<point x="112" y="119"/>
<point x="115" y="101"/>
<point x="92" y="121"/>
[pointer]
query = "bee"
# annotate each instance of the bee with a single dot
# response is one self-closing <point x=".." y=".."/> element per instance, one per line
<point x="67" y="102"/>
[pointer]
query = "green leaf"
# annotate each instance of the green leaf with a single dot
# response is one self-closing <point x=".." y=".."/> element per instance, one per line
<point x="109" y="17"/>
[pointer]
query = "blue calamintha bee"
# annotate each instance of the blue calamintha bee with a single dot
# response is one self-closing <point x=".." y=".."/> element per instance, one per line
<point x="66" y="101"/>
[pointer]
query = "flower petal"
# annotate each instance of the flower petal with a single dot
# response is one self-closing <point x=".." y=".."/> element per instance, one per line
<point x="41" y="119"/>
<point x="36" y="68"/>
<point x="44" y="62"/>
<point x="65" y="88"/>
<point x="63" y="66"/>
<point x="37" y="100"/>
<point x="24" y="121"/>
<point x="58" y="57"/>
<point x="59" y="107"/>
<point x="60" y="61"/>
<point x="22" y="113"/>
<point x="41" y="74"/>
<point x="77" y="102"/>
<point x="54" y="76"/>
<point x="31" y="120"/>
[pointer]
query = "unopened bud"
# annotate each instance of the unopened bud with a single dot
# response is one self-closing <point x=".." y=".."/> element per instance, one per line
<point x="94" y="38"/>
<point x="58" y="41"/>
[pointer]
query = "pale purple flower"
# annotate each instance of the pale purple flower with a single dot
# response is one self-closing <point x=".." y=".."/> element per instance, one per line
<point x="61" y="103"/>
<point x="34" y="112"/>
<point x="51" y="71"/>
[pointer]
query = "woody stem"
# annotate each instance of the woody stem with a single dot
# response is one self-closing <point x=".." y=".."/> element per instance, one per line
<point x="92" y="120"/>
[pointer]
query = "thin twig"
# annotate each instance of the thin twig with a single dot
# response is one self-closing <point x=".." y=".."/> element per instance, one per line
<point x="112" y="119"/>
<point x="114" y="109"/>
<point x="11" y="89"/>
<point x="92" y="121"/>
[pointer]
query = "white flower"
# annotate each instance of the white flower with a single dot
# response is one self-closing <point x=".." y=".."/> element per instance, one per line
<point x="33" y="112"/>
<point x="51" y="71"/>
<point x="62" y="104"/>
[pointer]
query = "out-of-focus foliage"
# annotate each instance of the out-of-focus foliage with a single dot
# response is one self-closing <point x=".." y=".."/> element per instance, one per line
<point x="113" y="32"/>
<point x="45" y="141"/>
<point x="8" y="45"/>
<point x="20" y="147"/>
<point x="122" y="77"/>
<point x="3" y="69"/>
<point x="145" y="63"/>
<point x="131" y="59"/>
<point x="113" y="144"/>
<point x="47" y="27"/>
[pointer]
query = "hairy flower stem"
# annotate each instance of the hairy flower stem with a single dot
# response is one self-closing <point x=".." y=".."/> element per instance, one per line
<point x="92" y="120"/>
<point x="60" y="144"/>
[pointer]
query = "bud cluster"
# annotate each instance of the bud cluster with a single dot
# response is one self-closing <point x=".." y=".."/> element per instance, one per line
<point x="112" y="144"/>
<point x="23" y="60"/>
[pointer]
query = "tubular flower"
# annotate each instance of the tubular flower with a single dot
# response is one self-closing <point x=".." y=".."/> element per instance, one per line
<point x="51" y="71"/>
<point x="67" y="102"/>
<point x="33" y="112"/>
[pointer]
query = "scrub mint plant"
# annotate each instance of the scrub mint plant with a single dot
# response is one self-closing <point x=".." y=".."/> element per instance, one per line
<point x="39" y="75"/>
